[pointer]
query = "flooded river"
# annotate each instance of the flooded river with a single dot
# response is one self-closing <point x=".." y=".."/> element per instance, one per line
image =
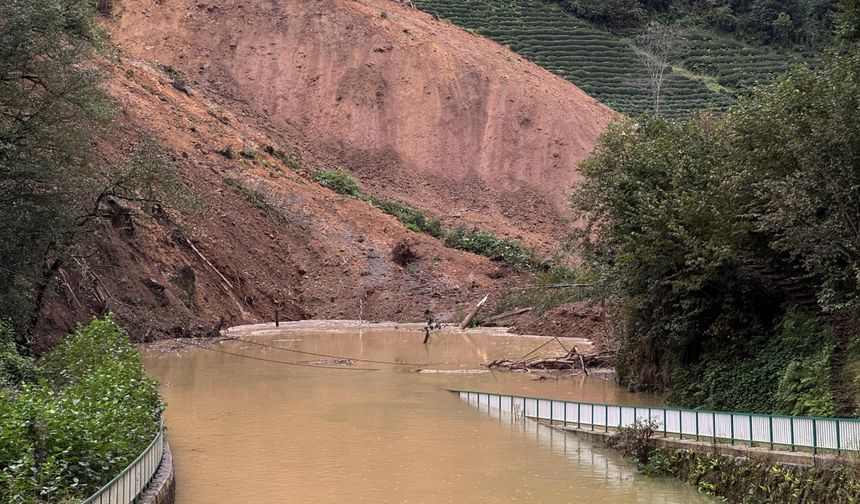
<point x="251" y="430"/>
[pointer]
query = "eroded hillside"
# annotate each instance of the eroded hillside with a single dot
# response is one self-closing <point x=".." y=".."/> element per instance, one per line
<point x="249" y="99"/>
<point x="420" y="110"/>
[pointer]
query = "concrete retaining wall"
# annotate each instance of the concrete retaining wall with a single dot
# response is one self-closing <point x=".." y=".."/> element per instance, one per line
<point x="738" y="450"/>
<point x="162" y="488"/>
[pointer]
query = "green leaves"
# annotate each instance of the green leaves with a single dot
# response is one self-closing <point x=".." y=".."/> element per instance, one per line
<point x="705" y="231"/>
<point x="69" y="433"/>
<point x="50" y="108"/>
<point x="339" y="181"/>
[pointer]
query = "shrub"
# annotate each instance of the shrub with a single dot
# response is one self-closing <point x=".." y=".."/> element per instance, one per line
<point x="339" y="181"/>
<point x="635" y="440"/>
<point x="74" y="430"/>
<point x="413" y="219"/>
<point x="14" y="367"/>
<point x="487" y="244"/>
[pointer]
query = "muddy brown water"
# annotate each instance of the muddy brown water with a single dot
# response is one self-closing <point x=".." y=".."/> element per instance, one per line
<point x="253" y="431"/>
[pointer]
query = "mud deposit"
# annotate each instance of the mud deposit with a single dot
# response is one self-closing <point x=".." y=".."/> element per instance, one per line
<point x="254" y="431"/>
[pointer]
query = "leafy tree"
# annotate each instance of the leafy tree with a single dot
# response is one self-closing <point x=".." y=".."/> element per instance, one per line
<point x="782" y="28"/>
<point x="797" y="145"/>
<point x="684" y="222"/>
<point x="50" y="108"/>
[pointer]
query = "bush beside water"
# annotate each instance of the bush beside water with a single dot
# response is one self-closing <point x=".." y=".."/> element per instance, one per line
<point x="73" y="420"/>
<point x="750" y="480"/>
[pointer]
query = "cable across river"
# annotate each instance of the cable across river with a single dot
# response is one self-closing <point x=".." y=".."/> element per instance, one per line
<point x="286" y="363"/>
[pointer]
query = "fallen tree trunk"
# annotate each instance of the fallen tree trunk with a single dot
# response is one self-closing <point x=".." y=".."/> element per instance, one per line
<point x="507" y="314"/>
<point x="569" y="362"/>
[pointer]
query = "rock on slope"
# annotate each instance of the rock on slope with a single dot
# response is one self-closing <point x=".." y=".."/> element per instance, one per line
<point x="421" y="110"/>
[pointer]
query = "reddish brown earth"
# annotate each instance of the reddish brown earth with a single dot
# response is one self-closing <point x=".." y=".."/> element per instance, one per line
<point x="419" y="110"/>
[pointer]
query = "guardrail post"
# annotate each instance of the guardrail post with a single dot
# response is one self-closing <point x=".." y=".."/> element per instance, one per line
<point x="714" y="426"/>
<point x="838" y="439"/>
<point x="578" y="415"/>
<point x="551" y="409"/>
<point x="770" y="429"/>
<point x="592" y="416"/>
<point x="732" y="427"/>
<point x="565" y="413"/>
<point x="697" y="424"/>
<point x="814" y="438"/>
<point x="791" y="426"/>
<point x="681" y="424"/>
<point x="606" y="416"/>
<point x="664" y="423"/>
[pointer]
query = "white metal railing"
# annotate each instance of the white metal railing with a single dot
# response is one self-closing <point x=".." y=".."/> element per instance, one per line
<point x="133" y="480"/>
<point x="775" y="431"/>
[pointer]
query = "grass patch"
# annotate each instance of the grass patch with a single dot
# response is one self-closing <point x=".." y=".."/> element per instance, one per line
<point x="292" y="161"/>
<point x="339" y="181"/>
<point x="413" y="219"/>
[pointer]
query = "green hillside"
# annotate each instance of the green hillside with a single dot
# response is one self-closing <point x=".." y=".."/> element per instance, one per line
<point x="734" y="64"/>
<point x="606" y="65"/>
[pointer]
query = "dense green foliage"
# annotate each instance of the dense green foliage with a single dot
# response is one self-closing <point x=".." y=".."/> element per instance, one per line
<point x="50" y="108"/>
<point x="53" y="185"/>
<point x="707" y="231"/>
<point x="758" y="481"/>
<point x="75" y="419"/>
<point x="487" y="244"/>
<point x="783" y="370"/>
<point x="803" y="23"/>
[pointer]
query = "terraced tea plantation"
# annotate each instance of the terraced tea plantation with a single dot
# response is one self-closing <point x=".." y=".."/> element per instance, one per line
<point x="595" y="60"/>
<point x="733" y="64"/>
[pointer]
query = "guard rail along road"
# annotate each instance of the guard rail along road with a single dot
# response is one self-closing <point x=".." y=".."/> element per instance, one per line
<point x="133" y="480"/>
<point x="795" y="433"/>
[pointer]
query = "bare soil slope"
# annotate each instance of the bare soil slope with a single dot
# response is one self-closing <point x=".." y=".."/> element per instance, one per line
<point x="421" y="110"/>
<point x="262" y="233"/>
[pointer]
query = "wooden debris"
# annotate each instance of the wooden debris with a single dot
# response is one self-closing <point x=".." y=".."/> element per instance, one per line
<point x="453" y="371"/>
<point x="507" y="314"/>
<point x="570" y="362"/>
<point x="466" y="321"/>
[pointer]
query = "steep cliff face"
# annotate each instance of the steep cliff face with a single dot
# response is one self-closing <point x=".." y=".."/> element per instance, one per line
<point x="418" y="110"/>
<point x="427" y="113"/>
